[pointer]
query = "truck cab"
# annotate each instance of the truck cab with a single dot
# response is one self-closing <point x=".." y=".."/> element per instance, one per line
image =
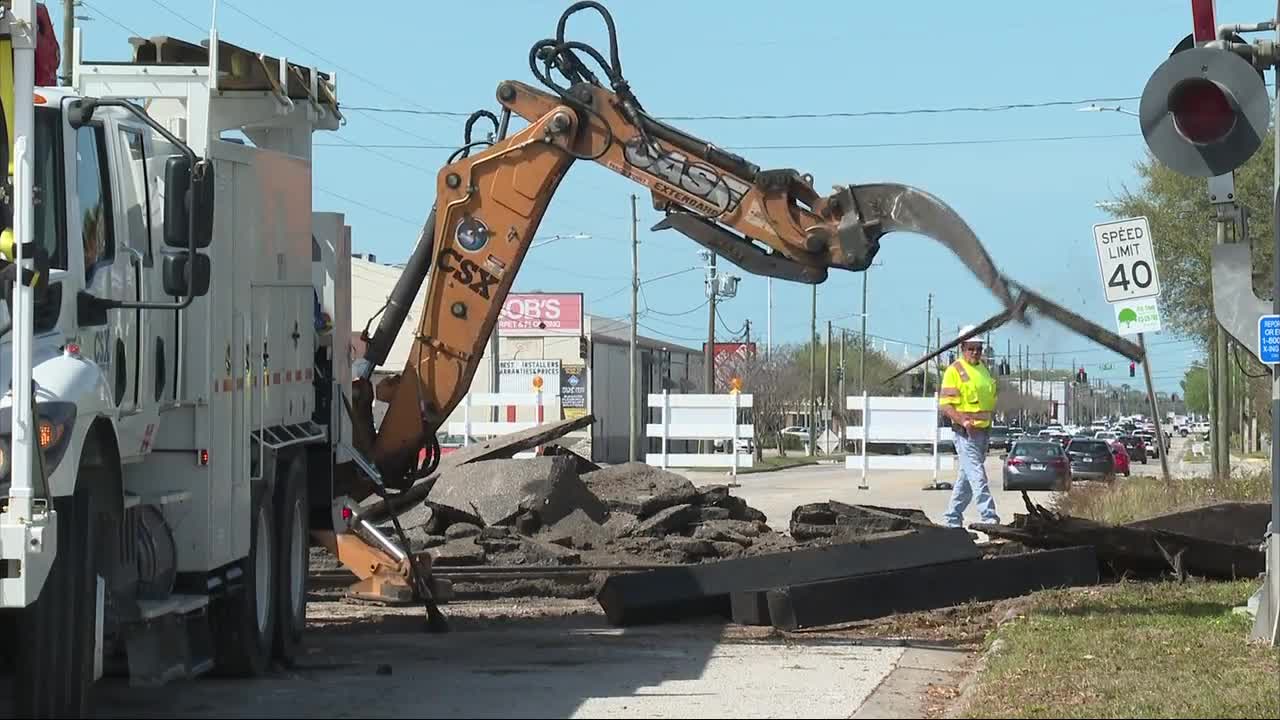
<point x="185" y="379"/>
<point x="100" y="225"/>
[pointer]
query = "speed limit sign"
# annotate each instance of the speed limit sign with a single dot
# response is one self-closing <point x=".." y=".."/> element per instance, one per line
<point x="1126" y="259"/>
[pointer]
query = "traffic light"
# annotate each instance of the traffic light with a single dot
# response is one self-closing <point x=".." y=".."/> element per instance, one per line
<point x="1082" y="376"/>
<point x="1204" y="111"/>
<point x="582" y="347"/>
<point x="1132" y="368"/>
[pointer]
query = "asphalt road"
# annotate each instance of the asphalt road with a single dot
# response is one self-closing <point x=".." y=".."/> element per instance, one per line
<point x="546" y="658"/>
<point x="776" y="494"/>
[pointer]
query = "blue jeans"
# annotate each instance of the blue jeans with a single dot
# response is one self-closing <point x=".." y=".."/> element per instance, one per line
<point x="971" y="451"/>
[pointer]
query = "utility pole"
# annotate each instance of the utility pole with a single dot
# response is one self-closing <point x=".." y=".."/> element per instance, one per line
<point x="924" y="371"/>
<point x="748" y="339"/>
<point x="68" y="40"/>
<point x="1155" y="410"/>
<point x="635" y="292"/>
<point x="844" y="426"/>
<point x="813" y="358"/>
<point x="937" y="363"/>
<point x="708" y="353"/>
<point x="709" y="358"/>
<point x="768" y="323"/>
<point x="1221" y="401"/>
<point x="826" y="384"/>
<point x="862" y="352"/>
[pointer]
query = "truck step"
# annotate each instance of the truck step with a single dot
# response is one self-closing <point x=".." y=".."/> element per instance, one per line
<point x="171" y="641"/>
<point x="158" y="498"/>
<point x="172" y="605"/>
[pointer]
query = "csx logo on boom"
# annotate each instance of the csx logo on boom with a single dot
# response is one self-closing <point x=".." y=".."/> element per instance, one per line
<point x="476" y="278"/>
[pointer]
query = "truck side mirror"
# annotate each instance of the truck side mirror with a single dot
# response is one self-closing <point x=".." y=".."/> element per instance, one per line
<point x="188" y="203"/>
<point x="174" y="273"/>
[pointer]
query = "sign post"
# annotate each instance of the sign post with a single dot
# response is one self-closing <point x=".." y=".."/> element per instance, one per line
<point x="1127" y="263"/>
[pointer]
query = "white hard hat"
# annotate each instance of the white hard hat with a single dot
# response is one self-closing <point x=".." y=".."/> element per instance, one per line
<point x="967" y="329"/>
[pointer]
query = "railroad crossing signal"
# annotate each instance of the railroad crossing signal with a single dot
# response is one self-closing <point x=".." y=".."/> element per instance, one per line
<point x="1205" y="111"/>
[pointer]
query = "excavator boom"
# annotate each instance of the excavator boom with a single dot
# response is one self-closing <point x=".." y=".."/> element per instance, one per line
<point x="489" y="205"/>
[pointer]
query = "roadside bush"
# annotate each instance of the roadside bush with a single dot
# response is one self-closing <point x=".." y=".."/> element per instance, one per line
<point x="1130" y="499"/>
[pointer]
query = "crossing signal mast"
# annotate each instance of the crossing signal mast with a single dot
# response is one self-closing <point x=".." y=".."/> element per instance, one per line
<point x="1204" y="113"/>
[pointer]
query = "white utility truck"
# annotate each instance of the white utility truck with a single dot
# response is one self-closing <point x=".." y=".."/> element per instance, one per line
<point x="172" y="357"/>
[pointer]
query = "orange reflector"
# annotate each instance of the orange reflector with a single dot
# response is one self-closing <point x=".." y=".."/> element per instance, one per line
<point x="46" y="433"/>
<point x="39" y="99"/>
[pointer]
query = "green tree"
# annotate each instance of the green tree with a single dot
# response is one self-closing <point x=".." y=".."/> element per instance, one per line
<point x="1184" y="230"/>
<point x="1195" y="389"/>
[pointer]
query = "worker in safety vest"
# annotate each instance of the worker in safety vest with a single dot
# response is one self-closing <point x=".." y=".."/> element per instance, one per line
<point x="968" y="399"/>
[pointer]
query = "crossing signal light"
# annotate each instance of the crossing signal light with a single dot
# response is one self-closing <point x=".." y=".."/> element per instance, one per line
<point x="1204" y="111"/>
<point x="1082" y="376"/>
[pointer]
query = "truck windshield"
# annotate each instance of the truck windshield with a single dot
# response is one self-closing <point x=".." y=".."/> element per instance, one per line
<point x="50" y="229"/>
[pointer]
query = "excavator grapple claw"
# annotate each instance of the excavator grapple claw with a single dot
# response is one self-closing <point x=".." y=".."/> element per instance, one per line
<point x="875" y="210"/>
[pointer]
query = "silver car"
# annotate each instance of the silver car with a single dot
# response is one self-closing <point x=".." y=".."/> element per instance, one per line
<point x="1036" y="464"/>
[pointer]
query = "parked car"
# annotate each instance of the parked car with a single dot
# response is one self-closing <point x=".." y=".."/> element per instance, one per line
<point x="1136" y="447"/>
<point x="1036" y="465"/>
<point x="999" y="438"/>
<point x="1121" y="457"/>
<point x="1091" y="459"/>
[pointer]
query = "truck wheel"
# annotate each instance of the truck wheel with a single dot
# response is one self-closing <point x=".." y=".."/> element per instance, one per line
<point x="294" y="553"/>
<point x="244" y="617"/>
<point x="43" y="657"/>
<point x="57" y="635"/>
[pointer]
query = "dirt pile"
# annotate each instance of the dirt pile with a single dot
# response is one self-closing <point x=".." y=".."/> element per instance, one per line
<point x="834" y="520"/>
<point x="543" y="512"/>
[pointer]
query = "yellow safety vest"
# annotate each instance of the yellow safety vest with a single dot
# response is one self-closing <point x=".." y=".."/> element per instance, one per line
<point x="971" y="390"/>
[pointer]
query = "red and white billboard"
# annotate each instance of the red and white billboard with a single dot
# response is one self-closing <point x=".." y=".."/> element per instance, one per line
<point x="729" y="359"/>
<point x="541" y="314"/>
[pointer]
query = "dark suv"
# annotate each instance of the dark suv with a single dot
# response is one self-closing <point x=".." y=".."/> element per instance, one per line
<point x="1136" y="447"/>
<point x="1091" y="459"/>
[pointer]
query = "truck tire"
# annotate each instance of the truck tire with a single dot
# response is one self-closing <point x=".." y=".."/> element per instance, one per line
<point x="43" y="656"/>
<point x="244" y="617"/>
<point x="57" y="635"/>
<point x="293" y="510"/>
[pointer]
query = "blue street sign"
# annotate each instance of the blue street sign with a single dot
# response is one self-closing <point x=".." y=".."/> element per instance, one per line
<point x="1269" y="339"/>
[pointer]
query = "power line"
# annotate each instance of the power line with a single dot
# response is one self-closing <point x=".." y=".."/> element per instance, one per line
<point x="646" y="282"/>
<point x="691" y="310"/>
<point x="108" y="18"/>
<point x="813" y="115"/>
<point x="298" y="45"/>
<point x="175" y="13"/>
<point x="385" y="156"/>
<point x="380" y="211"/>
<point x="258" y="21"/>
<point x="837" y="146"/>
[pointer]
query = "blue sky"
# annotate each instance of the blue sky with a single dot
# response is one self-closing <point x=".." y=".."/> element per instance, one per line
<point x="1031" y="202"/>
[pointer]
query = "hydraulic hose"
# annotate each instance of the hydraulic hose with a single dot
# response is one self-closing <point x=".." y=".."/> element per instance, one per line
<point x="402" y="297"/>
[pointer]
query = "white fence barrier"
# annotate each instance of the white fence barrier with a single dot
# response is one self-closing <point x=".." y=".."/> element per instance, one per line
<point x="476" y="405"/>
<point x="700" y="417"/>
<point x="897" y="420"/>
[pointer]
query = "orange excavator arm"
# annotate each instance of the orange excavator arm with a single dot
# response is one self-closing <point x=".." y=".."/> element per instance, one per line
<point x="489" y="205"/>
